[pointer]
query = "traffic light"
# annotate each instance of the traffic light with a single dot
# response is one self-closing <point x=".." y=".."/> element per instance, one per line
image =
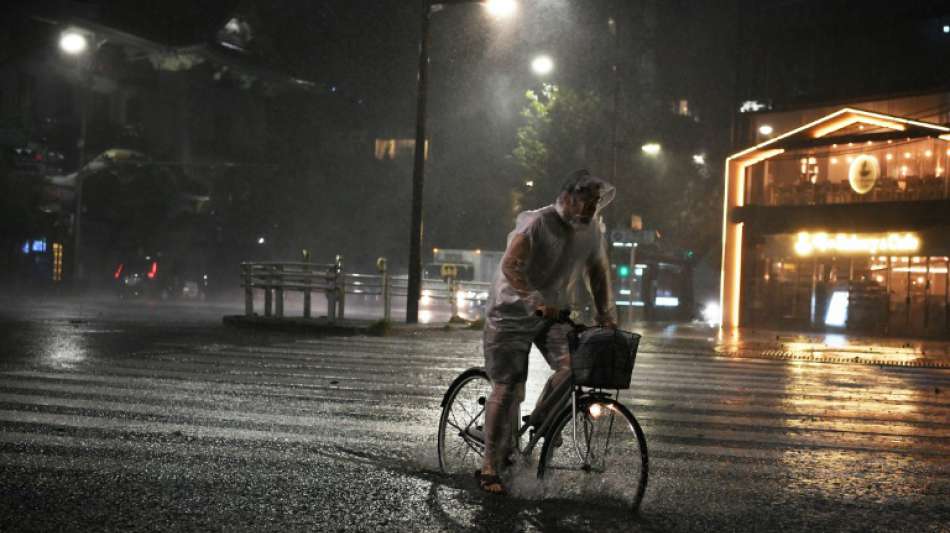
<point x="623" y="271"/>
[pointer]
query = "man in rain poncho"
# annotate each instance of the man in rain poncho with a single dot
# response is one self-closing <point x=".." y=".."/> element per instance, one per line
<point x="549" y="250"/>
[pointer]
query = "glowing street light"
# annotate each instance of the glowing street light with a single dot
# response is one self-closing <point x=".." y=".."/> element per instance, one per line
<point x="497" y="9"/>
<point x="766" y="129"/>
<point x="542" y="65"/>
<point x="73" y="42"/>
<point x="699" y="159"/>
<point x="651" y="149"/>
<point x="76" y="43"/>
<point x="501" y="8"/>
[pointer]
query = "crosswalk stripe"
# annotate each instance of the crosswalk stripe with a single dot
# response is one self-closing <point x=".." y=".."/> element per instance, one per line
<point x="356" y="391"/>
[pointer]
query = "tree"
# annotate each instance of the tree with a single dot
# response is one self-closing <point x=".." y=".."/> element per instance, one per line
<point x="562" y="132"/>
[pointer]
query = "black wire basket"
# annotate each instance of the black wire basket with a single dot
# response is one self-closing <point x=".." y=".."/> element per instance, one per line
<point x="603" y="358"/>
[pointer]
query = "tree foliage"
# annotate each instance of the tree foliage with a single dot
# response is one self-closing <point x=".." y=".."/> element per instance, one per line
<point x="566" y="129"/>
<point x="562" y="132"/>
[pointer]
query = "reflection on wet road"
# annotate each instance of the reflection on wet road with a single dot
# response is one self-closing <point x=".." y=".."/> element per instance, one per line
<point x="133" y="425"/>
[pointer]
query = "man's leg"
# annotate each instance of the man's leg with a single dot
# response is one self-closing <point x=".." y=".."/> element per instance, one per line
<point x="501" y="410"/>
<point x="558" y="355"/>
<point x="506" y="360"/>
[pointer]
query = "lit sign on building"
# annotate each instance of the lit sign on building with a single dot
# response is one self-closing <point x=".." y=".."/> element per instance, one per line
<point x="822" y="243"/>
<point x="863" y="173"/>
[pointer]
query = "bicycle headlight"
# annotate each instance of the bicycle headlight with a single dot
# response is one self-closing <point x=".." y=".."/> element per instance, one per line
<point x="596" y="410"/>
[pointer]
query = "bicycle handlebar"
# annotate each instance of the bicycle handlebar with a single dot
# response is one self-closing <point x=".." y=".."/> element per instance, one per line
<point x="564" y="316"/>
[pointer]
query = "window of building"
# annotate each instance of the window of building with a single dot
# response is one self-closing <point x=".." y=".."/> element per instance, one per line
<point x="397" y="148"/>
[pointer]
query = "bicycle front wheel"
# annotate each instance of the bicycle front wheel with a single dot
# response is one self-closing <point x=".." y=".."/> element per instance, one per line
<point x="602" y="454"/>
<point x="462" y="424"/>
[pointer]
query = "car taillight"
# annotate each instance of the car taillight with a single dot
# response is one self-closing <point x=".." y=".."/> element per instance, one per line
<point x="118" y="271"/>
<point x="153" y="271"/>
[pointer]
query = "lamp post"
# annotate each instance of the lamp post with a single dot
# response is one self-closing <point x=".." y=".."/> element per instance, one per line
<point x="77" y="43"/>
<point x="542" y="65"/>
<point x="497" y="8"/>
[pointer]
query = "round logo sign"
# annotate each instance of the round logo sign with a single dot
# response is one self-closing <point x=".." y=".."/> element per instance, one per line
<point x="863" y="173"/>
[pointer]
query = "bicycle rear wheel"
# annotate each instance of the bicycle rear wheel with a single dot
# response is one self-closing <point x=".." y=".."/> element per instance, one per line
<point x="462" y="424"/>
<point x="604" y="456"/>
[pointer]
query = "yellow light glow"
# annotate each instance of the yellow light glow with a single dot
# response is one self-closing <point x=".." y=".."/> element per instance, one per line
<point x="501" y="8"/>
<point x="834" y="160"/>
<point x="820" y="243"/>
<point x="889" y="157"/>
<point x="731" y="271"/>
<point x="596" y="410"/>
<point x="853" y="118"/>
<point x="907" y="155"/>
<point x="928" y="153"/>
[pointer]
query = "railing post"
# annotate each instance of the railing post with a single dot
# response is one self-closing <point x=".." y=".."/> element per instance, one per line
<point x="387" y="293"/>
<point x="452" y="297"/>
<point x="341" y="286"/>
<point x="248" y="290"/>
<point x="306" y="292"/>
<point x="331" y="278"/>
<point x="268" y="291"/>
<point x="279" y="278"/>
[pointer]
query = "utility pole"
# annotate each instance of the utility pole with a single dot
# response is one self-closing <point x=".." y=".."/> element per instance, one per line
<point x="413" y="290"/>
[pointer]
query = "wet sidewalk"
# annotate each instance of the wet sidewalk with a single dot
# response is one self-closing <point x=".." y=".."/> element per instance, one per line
<point x="804" y="346"/>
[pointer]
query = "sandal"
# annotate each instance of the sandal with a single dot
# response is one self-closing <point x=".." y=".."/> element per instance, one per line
<point x="490" y="483"/>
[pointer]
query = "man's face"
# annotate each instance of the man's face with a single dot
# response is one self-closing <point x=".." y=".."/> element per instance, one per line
<point x="579" y="207"/>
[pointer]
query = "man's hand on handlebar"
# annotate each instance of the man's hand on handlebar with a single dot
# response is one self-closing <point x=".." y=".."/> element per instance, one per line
<point x="547" y="311"/>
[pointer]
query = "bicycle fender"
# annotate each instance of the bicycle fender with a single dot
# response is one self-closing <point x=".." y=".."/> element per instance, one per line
<point x="464" y="375"/>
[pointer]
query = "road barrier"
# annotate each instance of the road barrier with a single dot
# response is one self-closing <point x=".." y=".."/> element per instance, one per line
<point x="275" y="278"/>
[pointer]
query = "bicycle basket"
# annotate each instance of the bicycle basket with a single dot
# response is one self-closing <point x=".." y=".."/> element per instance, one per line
<point x="603" y="357"/>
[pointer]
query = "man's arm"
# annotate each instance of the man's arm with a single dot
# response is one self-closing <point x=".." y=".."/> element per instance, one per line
<point x="512" y="266"/>
<point x="600" y="287"/>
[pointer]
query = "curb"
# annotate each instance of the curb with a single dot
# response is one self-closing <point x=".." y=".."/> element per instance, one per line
<point x="301" y="325"/>
<point x="789" y="356"/>
<point x="323" y="327"/>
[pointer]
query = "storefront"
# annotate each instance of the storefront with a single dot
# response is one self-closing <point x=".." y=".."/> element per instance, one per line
<point x="841" y="224"/>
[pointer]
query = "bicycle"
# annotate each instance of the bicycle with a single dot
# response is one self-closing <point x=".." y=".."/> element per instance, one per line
<point x="592" y="442"/>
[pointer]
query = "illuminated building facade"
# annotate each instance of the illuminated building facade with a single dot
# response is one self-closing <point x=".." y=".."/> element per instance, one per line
<point x="842" y="223"/>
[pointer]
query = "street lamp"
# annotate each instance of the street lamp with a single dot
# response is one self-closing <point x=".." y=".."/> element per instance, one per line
<point x="496" y="8"/>
<point x="75" y="42"/>
<point x="500" y="8"/>
<point x="542" y="65"/>
<point x="651" y="149"/>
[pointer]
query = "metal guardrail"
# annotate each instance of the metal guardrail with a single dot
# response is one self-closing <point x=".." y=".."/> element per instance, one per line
<point x="275" y="278"/>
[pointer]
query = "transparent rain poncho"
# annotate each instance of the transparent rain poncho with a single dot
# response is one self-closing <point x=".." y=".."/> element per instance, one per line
<point x="560" y="253"/>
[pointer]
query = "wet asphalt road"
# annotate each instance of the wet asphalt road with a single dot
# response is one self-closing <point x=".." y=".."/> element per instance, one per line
<point x="154" y="417"/>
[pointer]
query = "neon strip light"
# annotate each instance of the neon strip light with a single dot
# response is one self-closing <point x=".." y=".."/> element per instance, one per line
<point x="844" y="243"/>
